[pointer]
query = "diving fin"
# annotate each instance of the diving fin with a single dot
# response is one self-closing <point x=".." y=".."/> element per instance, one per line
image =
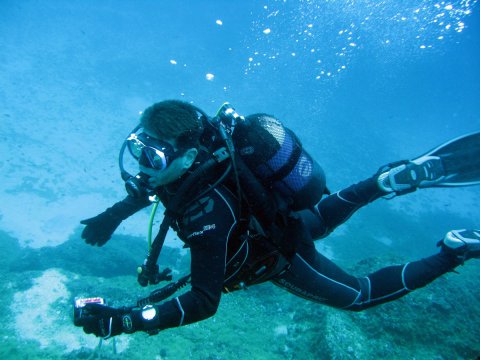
<point x="454" y="163"/>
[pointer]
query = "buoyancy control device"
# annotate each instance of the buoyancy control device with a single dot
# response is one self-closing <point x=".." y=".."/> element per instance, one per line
<point x="261" y="151"/>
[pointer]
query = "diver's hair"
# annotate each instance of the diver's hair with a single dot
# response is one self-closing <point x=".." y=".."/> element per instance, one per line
<point x="174" y="120"/>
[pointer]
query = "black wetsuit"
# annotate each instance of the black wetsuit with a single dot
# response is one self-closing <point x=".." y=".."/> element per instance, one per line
<point x="219" y="254"/>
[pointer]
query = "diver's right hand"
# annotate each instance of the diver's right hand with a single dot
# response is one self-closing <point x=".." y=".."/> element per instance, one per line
<point x="100" y="228"/>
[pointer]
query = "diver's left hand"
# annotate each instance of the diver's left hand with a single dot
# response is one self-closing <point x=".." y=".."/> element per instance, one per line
<point x="99" y="229"/>
<point x="105" y="321"/>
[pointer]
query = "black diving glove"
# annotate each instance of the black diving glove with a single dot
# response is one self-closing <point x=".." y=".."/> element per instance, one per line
<point x="99" y="229"/>
<point x="106" y="322"/>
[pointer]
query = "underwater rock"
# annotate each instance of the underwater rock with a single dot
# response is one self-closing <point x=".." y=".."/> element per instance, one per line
<point x="343" y="338"/>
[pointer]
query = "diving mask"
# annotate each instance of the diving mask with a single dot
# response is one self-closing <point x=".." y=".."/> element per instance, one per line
<point x="150" y="152"/>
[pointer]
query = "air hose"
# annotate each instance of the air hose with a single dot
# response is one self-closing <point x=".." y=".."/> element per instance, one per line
<point x="155" y="200"/>
<point x="164" y="292"/>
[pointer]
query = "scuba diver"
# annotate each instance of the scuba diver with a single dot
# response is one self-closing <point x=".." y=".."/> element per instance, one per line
<point x="249" y="202"/>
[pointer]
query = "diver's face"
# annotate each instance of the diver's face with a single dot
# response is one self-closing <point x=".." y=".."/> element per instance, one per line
<point x="173" y="171"/>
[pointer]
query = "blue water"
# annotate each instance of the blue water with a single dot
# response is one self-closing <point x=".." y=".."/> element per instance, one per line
<point x="362" y="83"/>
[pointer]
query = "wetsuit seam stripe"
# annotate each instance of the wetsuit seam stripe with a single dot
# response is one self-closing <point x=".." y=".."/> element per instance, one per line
<point x="231" y="227"/>
<point x="403" y="277"/>
<point x="370" y="300"/>
<point x="354" y="301"/>
<point x="369" y="289"/>
<point x="383" y="297"/>
<point x="326" y="277"/>
<point x="341" y="198"/>
<point x="240" y="267"/>
<point x="179" y="305"/>
<point x="369" y="293"/>
<point x="233" y="215"/>
<point x="239" y="249"/>
<point x="228" y="205"/>
<point x="280" y="285"/>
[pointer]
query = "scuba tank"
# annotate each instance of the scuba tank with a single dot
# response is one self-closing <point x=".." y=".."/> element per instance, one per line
<point x="276" y="157"/>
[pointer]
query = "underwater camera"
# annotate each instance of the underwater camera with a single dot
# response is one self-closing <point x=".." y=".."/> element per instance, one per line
<point x="79" y="311"/>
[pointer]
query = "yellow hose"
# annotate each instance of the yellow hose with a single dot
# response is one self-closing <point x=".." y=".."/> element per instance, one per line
<point x="150" y="223"/>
